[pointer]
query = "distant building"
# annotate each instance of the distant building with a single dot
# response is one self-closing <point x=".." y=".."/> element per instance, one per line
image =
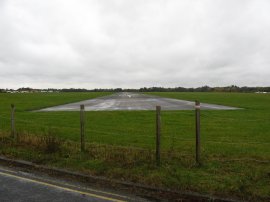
<point x="261" y="92"/>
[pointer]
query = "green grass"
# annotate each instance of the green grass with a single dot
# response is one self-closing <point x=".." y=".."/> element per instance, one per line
<point x="34" y="101"/>
<point x="235" y="143"/>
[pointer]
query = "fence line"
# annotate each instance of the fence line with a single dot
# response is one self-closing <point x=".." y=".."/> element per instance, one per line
<point x="161" y="133"/>
<point x="121" y="133"/>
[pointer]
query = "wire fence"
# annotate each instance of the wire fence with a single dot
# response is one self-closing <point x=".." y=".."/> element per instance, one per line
<point x="177" y="132"/>
<point x="40" y="127"/>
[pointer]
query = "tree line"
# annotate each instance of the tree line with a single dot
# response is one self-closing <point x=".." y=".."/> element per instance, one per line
<point x="231" y="88"/>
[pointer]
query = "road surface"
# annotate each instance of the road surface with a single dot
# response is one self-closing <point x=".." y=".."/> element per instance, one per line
<point x="133" y="101"/>
<point x="20" y="186"/>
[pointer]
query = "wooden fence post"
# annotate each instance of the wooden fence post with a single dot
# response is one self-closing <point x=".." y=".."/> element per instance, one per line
<point x="198" y="132"/>
<point x="158" y="133"/>
<point x="13" y="131"/>
<point x="82" y="121"/>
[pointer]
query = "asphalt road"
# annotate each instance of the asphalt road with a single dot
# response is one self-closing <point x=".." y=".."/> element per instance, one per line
<point x="133" y="101"/>
<point x="21" y="186"/>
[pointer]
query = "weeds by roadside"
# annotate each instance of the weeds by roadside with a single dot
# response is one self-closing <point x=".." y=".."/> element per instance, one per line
<point x="178" y="171"/>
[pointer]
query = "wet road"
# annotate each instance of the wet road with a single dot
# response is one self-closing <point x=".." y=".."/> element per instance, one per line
<point x="133" y="101"/>
<point x="21" y="186"/>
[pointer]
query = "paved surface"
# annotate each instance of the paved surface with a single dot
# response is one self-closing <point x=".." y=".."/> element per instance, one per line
<point x="21" y="186"/>
<point x="133" y="101"/>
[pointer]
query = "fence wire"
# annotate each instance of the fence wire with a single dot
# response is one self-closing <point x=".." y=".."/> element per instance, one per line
<point x="177" y="135"/>
<point x="34" y="126"/>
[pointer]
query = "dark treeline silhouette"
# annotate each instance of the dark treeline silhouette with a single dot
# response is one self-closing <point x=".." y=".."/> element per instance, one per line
<point x="231" y="88"/>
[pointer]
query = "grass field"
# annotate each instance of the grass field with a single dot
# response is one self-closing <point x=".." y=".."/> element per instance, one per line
<point x="235" y="143"/>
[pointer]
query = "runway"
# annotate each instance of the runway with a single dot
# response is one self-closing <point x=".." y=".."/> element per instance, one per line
<point x="134" y="101"/>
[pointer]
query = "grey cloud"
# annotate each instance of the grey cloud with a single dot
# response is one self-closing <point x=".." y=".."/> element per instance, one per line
<point x="124" y="43"/>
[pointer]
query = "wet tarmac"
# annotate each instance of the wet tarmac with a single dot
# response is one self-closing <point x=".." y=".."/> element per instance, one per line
<point x="134" y="101"/>
<point x="22" y="186"/>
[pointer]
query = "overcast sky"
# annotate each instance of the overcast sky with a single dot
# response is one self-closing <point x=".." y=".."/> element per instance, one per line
<point x="134" y="43"/>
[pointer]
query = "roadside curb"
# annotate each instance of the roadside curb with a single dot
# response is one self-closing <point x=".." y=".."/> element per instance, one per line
<point x="158" y="194"/>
